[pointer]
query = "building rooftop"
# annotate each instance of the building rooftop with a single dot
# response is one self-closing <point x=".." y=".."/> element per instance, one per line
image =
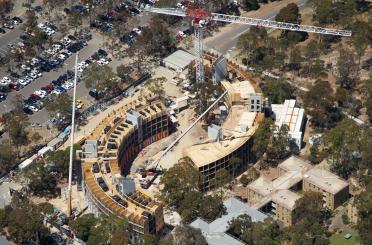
<point x="285" y="198"/>
<point x="294" y="163"/>
<point x="325" y="180"/>
<point x="180" y="59"/>
<point x="214" y="232"/>
<point x="288" y="114"/>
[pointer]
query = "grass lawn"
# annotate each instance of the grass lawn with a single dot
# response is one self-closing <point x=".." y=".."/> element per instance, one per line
<point x="338" y="239"/>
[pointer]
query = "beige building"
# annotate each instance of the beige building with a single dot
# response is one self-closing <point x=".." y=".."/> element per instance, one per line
<point x="278" y="196"/>
<point x="236" y="137"/>
<point x="111" y="148"/>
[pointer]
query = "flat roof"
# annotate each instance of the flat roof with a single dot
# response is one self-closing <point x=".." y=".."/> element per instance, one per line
<point x="325" y="180"/>
<point x="288" y="114"/>
<point x="294" y="163"/>
<point x="203" y="154"/>
<point x="285" y="198"/>
<point x="244" y="88"/>
<point x="180" y="59"/>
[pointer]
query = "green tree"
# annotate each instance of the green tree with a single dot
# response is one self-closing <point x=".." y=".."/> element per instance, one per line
<point x="251" y="5"/>
<point x="322" y="11"/>
<point x="314" y="154"/>
<point x="295" y="59"/>
<point x="83" y="226"/>
<point x="6" y="157"/>
<point x="360" y="39"/>
<point x="24" y="222"/>
<point x="346" y="68"/>
<point x="221" y="178"/>
<point x="177" y="181"/>
<point x="309" y="217"/>
<point x="75" y="21"/>
<point x="341" y="144"/>
<point x="236" y="163"/>
<point x="41" y="182"/>
<point x="187" y="235"/>
<point x="6" y="7"/>
<point x="189" y="207"/>
<point x="364" y="207"/>
<point x="16" y="123"/>
<point x="290" y="14"/>
<point x="211" y="208"/>
<point x="279" y="147"/>
<point x="59" y="106"/>
<point x="278" y="90"/>
<point x="123" y="71"/>
<point x="101" y="78"/>
<point x="30" y="20"/>
<point x="319" y="103"/>
<point x="262" y="137"/>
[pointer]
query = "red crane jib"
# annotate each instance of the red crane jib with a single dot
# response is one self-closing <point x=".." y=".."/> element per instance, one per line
<point x="198" y="14"/>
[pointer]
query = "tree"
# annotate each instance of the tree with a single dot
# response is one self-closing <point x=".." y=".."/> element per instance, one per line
<point x="240" y="225"/>
<point x="278" y="90"/>
<point x="157" y="39"/>
<point x="16" y="123"/>
<point x="101" y="78"/>
<point x="31" y="20"/>
<point x="6" y="7"/>
<point x="187" y="235"/>
<point x="189" y="207"/>
<point x="6" y="157"/>
<point x="309" y="217"/>
<point x="279" y="147"/>
<point x="290" y="14"/>
<point x="24" y="222"/>
<point x="243" y="228"/>
<point x="60" y="159"/>
<point x="363" y="203"/>
<point x="346" y="68"/>
<point x="319" y="104"/>
<point x="83" y="226"/>
<point x="236" y="163"/>
<point x="262" y="137"/>
<point x="251" y="5"/>
<point x="75" y="21"/>
<point x="177" y="181"/>
<point x="360" y="39"/>
<point x="314" y="154"/>
<point x="211" y="208"/>
<point x="59" y="106"/>
<point x="156" y="86"/>
<point x="342" y="145"/>
<point x="123" y="71"/>
<point x="322" y="11"/>
<point x="41" y="181"/>
<point x="295" y="59"/>
<point x="221" y="178"/>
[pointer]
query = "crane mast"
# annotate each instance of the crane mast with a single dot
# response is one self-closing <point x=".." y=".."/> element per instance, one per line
<point x="201" y="17"/>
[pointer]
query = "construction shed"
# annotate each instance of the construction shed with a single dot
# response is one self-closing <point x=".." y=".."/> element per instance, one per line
<point x="179" y="60"/>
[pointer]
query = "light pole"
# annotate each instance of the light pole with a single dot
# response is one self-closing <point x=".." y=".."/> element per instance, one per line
<point x="72" y="140"/>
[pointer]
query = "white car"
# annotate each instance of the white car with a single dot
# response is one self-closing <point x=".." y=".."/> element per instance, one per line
<point x="42" y="26"/>
<point x="57" y="92"/>
<point x="103" y="61"/>
<point x="33" y="75"/>
<point x="67" y="52"/>
<point x="6" y="80"/>
<point x="66" y="40"/>
<point x="50" y="51"/>
<point x="33" y="108"/>
<point x="22" y="82"/>
<point x="69" y="85"/>
<point x="137" y="30"/>
<point x="41" y="93"/>
<point x="26" y="68"/>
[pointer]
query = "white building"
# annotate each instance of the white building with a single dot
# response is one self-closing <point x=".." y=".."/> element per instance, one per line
<point x="178" y="61"/>
<point x="292" y="116"/>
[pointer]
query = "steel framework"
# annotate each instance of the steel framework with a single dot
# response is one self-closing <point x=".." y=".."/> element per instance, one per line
<point x="198" y="16"/>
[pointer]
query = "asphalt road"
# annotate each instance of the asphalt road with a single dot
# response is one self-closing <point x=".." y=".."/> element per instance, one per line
<point x="227" y="39"/>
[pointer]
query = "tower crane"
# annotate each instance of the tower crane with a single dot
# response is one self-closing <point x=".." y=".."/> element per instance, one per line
<point x="200" y="17"/>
